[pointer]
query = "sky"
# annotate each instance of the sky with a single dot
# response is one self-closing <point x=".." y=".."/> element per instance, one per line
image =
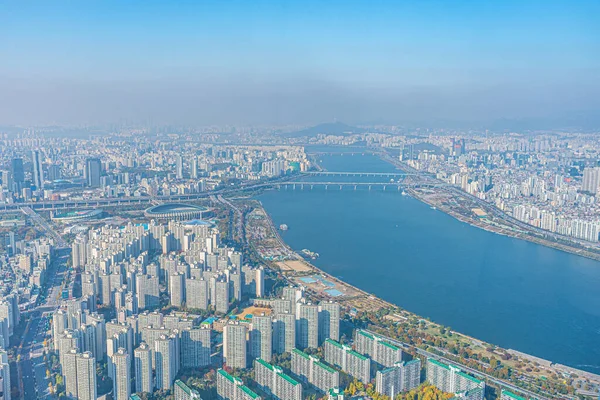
<point x="298" y="62"/>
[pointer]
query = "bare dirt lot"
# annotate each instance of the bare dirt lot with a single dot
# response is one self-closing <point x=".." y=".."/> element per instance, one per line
<point x="294" y="265"/>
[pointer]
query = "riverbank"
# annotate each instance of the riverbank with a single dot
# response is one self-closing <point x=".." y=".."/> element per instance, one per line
<point x="499" y="223"/>
<point x="359" y="303"/>
<point x="296" y="269"/>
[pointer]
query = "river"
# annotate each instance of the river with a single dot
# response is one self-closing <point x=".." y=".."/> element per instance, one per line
<point x="505" y="291"/>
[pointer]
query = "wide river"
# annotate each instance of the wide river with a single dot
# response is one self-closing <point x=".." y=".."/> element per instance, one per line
<point x="509" y="292"/>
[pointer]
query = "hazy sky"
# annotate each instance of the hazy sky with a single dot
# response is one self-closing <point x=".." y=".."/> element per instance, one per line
<point x="307" y="61"/>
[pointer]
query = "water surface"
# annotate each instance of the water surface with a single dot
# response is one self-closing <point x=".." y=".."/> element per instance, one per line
<point x="506" y="291"/>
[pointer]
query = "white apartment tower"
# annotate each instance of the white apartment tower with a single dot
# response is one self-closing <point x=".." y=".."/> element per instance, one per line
<point x="234" y="345"/>
<point x="143" y="369"/>
<point x="261" y="338"/>
<point x="121" y="364"/>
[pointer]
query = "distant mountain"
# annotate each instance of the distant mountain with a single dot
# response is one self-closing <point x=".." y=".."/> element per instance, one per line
<point x="330" y="128"/>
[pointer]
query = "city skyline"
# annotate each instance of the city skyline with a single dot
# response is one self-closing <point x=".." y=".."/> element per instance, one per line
<point x="300" y="200"/>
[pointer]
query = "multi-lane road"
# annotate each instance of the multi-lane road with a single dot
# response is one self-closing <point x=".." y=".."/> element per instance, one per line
<point x="61" y="205"/>
<point x="237" y="223"/>
<point x="31" y="368"/>
<point x="44" y="225"/>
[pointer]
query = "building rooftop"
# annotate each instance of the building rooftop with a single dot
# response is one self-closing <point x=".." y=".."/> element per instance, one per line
<point x="512" y="395"/>
<point x="391" y="346"/>
<point x="438" y="363"/>
<point x="288" y="378"/>
<point x="264" y="363"/>
<point x="358" y="355"/>
<point x="249" y="392"/>
<point x="300" y="353"/>
<point x="333" y="342"/>
<point x="361" y="332"/>
<point x="469" y="377"/>
<point x="325" y="367"/>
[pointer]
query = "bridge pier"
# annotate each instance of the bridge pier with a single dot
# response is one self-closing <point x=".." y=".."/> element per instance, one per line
<point x="294" y="187"/>
<point x="326" y="187"/>
<point x="311" y="187"/>
<point x="354" y="187"/>
<point x="369" y="188"/>
<point x="340" y="187"/>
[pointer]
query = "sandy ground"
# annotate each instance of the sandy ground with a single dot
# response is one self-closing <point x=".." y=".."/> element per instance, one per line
<point x="294" y="265"/>
<point x="255" y="311"/>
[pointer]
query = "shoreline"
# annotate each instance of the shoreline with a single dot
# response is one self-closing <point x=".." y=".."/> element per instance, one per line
<point x="352" y="295"/>
<point x="507" y="231"/>
<point x="503" y="232"/>
<point x="376" y="303"/>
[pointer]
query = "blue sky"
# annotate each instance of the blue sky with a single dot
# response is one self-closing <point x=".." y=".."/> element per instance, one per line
<point x="423" y="49"/>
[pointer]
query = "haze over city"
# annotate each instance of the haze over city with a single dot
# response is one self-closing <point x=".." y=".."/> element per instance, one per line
<point x="461" y="63"/>
<point x="300" y="200"/>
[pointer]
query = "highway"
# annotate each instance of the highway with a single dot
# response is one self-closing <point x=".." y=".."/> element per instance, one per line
<point x="60" y="205"/>
<point x="238" y="220"/>
<point x="32" y="369"/>
<point x="63" y="205"/>
<point x="45" y="226"/>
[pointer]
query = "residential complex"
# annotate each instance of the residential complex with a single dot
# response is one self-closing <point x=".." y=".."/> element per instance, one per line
<point x="452" y="379"/>
<point x="348" y="360"/>
<point x="311" y="370"/>
<point x="275" y="382"/>
<point x="231" y="388"/>
<point x="380" y="351"/>
<point x="402" y="377"/>
<point x="182" y="391"/>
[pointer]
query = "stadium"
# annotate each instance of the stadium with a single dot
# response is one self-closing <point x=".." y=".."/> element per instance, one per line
<point x="177" y="211"/>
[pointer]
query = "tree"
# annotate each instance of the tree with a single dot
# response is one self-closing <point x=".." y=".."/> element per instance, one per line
<point x="494" y="363"/>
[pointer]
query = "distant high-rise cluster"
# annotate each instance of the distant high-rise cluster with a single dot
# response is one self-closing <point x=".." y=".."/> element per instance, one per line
<point x="591" y="180"/>
<point x="92" y="172"/>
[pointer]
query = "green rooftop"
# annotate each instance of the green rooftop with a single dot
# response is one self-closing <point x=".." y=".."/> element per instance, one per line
<point x="225" y="374"/>
<point x="512" y="395"/>
<point x="358" y="355"/>
<point x="249" y="392"/>
<point x="469" y="377"/>
<point x="264" y="363"/>
<point x="333" y="342"/>
<point x="184" y="387"/>
<point x="366" y="334"/>
<point x="300" y="353"/>
<point x="436" y="362"/>
<point x="288" y="378"/>
<point x="391" y="346"/>
<point x="325" y="367"/>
